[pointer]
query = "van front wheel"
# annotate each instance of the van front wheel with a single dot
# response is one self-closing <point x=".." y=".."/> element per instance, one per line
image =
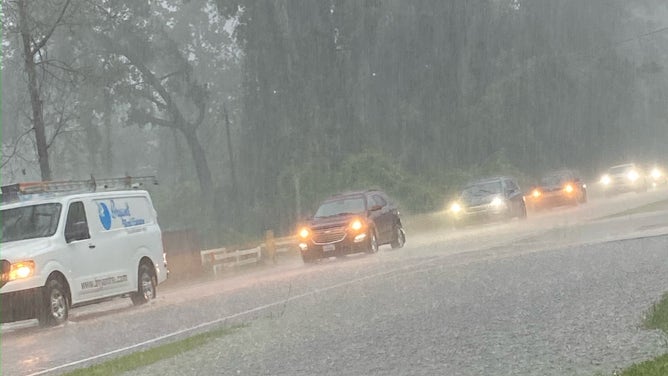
<point x="145" y="286"/>
<point x="55" y="307"/>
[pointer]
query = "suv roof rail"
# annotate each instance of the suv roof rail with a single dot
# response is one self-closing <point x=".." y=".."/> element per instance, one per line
<point x="27" y="190"/>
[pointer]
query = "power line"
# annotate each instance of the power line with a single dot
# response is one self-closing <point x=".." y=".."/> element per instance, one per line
<point x="657" y="31"/>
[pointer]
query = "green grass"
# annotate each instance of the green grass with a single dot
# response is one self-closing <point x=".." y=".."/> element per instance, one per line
<point x="657" y="318"/>
<point x="651" y="207"/>
<point x="143" y="358"/>
<point x="655" y="367"/>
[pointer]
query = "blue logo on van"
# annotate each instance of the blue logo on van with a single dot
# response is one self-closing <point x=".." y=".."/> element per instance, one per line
<point x="105" y="215"/>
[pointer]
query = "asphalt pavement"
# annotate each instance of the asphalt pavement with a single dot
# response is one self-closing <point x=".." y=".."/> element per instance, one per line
<point x="560" y="293"/>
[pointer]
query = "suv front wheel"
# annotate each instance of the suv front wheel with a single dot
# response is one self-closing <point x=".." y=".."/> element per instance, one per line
<point x="399" y="238"/>
<point x="372" y="245"/>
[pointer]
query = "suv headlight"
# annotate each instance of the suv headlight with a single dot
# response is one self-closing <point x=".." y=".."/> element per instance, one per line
<point x="356" y="225"/>
<point x="632" y="175"/>
<point x="304" y="233"/>
<point x="656" y="173"/>
<point x="497" y="202"/>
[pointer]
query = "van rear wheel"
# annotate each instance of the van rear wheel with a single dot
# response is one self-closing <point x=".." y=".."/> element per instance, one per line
<point x="145" y="286"/>
<point x="55" y="307"/>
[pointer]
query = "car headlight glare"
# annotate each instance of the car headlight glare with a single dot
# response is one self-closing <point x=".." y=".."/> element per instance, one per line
<point x="497" y="202"/>
<point x="568" y="188"/>
<point x="455" y="207"/>
<point x="632" y="175"/>
<point x="605" y="179"/>
<point x="304" y="233"/>
<point x="536" y="193"/>
<point x="22" y="269"/>
<point x="356" y="225"/>
<point x="656" y="173"/>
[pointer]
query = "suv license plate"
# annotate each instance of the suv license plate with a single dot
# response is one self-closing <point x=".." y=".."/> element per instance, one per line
<point x="328" y="247"/>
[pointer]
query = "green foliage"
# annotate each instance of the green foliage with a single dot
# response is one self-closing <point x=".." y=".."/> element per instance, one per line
<point x="657" y="317"/>
<point x="144" y="358"/>
<point x="655" y="367"/>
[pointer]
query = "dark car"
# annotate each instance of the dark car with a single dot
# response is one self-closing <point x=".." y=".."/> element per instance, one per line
<point x="622" y="178"/>
<point x="350" y="223"/>
<point x="489" y="199"/>
<point x="564" y="187"/>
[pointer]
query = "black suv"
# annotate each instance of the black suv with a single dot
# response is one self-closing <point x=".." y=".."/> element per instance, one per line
<point x="349" y="223"/>
<point x="489" y="199"/>
<point x="557" y="188"/>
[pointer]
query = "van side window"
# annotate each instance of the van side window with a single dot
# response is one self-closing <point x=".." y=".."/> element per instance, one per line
<point x="76" y="214"/>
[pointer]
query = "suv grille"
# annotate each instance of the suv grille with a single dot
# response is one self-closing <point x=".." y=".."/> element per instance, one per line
<point x="329" y="235"/>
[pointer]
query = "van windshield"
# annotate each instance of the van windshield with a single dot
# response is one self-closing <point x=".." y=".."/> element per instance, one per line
<point x="29" y="222"/>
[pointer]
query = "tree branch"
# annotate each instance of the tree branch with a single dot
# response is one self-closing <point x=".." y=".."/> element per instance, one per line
<point x="39" y="45"/>
<point x="15" y="147"/>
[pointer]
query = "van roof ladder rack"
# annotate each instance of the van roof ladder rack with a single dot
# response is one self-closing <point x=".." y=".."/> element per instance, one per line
<point x="13" y="192"/>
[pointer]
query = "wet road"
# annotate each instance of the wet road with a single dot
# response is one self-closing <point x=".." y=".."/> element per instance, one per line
<point x="397" y="306"/>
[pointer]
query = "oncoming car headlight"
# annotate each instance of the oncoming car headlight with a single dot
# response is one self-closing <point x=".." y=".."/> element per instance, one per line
<point x="356" y="225"/>
<point x="656" y="173"/>
<point x="536" y="193"/>
<point x="21" y="269"/>
<point x="633" y="175"/>
<point x="304" y="233"/>
<point x="455" y="207"/>
<point x="568" y="188"/>
<point x="497" y="202"/>
<point x="605" y="179"/>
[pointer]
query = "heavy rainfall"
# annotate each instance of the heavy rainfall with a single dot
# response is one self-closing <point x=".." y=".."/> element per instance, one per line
<point x="359" y="187"/>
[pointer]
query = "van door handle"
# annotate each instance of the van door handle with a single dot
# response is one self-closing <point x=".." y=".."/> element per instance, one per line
<point x="91" y="245"/>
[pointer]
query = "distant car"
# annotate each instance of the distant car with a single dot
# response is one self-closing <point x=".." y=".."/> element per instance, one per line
<point x="622" y="178"/>
<point x="556" y="189"/>
<point x="351" y="223"/>
<point x="489" y="199"/>
<point x="657" y="176"/>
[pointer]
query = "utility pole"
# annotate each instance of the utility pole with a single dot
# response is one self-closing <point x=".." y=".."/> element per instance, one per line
<point x="230" y="153"/>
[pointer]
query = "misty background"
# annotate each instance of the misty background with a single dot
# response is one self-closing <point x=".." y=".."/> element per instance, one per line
<point x="249" y="112"/>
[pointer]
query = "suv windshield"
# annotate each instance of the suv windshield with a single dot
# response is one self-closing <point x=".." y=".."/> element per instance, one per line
<point x="620" y="169"/>
<point x="482" y="189"/>
<point x="349" y="205"/>
<point x="555" y="179"/>
<point x="29" y="222"/>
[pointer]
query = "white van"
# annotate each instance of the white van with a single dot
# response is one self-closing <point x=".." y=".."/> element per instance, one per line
<point x="65" y="251"/>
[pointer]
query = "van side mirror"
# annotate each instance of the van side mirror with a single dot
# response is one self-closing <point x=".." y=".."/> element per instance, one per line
<point x="78" y="231"/>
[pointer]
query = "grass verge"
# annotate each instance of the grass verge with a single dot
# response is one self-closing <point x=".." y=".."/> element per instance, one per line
<point x="651" y="207"/>
<point x="146" y="357"/>
<point x="657" y="318"/>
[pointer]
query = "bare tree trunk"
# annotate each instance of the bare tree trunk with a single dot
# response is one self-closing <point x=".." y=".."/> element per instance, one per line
<point x="33" y="89"/>
<point x="201" y="164"/>
<point x="108" y="152"/>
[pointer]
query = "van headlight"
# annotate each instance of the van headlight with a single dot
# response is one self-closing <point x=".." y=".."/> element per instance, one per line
<point x="21" y="270"/>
